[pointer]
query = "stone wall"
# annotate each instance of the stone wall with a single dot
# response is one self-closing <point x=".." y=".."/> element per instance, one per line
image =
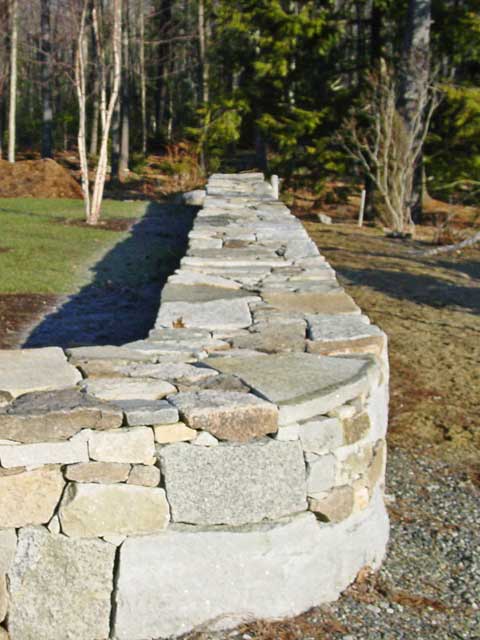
<point x="230" y="466"/>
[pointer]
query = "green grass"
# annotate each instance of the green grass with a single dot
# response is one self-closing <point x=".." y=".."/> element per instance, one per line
<point x="45" y="256"/>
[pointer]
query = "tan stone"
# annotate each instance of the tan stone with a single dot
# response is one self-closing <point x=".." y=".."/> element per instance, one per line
<point x="334" y="505"/>
<point x="353" y="461"/>
<point x="11" y="472"/>
<point x="356" y="428"/>
<point x="123" y="445"/>
<point x="376" y="470"/>
<point x="102" y="472"/>
<point x="144" y="475"/>
<point x="89" y="510"/>
<point x="30" y="497"/>
<point x="3" y="597"/>
<point x="329" y="303"/>
<point x="3" y="634"/>
<point x="373" y="345"/>
<point x="361" y="498"/>
<point x="179" y="432"/>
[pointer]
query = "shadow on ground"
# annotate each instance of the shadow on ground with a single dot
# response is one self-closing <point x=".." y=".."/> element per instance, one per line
<point x="121" y="302"/>
<point x="418" y="288"/>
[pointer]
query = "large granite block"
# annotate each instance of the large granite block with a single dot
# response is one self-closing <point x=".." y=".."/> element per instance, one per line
<point x="217" y="315"/>
<point x="234" y="484"/>
<point x="60" y="589"/>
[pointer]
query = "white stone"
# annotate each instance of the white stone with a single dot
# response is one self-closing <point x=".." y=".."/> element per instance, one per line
<point x="205" y="439"/>
<point x="217" y="315"/>
<point x="290" y="432"/>
<point x="38" y="454"/>
<point x="134" y="445"/>
<point x="54" y="525"/>
<point x="112" y="389"/>
<point x="321" y="473"/>
<point x="321" y="435"/>
<point x="171" y="583"/>
<point x="25" y="370"/>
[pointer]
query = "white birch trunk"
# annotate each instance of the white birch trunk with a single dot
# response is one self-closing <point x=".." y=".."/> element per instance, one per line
<point x="13" y="80"/>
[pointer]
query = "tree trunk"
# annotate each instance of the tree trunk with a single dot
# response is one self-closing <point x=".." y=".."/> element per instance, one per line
<point x="143" y="81"/>
<point x="46" y="75"/>
<point x="414" y="76"/>
<point x="80" y="87"/>
<point x="13" y="10"/>
<point x="205" y="75"/>
<point x="95" y="120"/>
<point x="125" y="100"/>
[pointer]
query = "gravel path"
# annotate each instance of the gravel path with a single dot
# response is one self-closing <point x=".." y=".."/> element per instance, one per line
<point x="429" y="584"/>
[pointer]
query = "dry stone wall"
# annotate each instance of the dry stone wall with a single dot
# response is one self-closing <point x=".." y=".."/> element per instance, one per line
<point x="230" y="466"/>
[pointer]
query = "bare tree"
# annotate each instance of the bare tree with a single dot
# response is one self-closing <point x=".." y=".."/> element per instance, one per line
<point x="143" y="81"/>
<point x="13" y="13"/>
<point x="93" y="201"/>
<point x="386" y="148"/>
<point x="46" y="76"/>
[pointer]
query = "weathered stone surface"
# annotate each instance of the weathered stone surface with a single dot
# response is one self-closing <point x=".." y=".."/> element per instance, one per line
<point x="102" y="472"/>
<point x="352" y="462"/>
<point x="3" y="597"/>
<point x="169" y="371"/>
<point x="60" y="588"/>
<point x="321" y="435"/>
<point x="113" y="389"/>
<point x="178" y="432"/>
<point x="376" y="471"/>
<point x="5" y="398"/>
<point x="55" y="415"/>
<point x="29" y="497"/>
<point x="41" y="453"/>
<point x="311" y="302"/>
<point x="148" y="412"/>
<point x="123" y="445"/>
<point x="90" y="510"/>
<point x="144" y="475"/>
<point x="25" y="370"/>
<point x="334" y="505"/>
<point x="303" y="385"/>
<point x="205" y="439"/>
<point x="321" y="474"/>
<point x="107" y="353"/>
<point x="337" y="334"/>
<point x="356" y="428"/>
<point x="201" y="293"/>
<point x="228" y="415"/>
<point x="234" y="484"/>
<point x="215" y="315"/>
<point x="8" y="543"/>
<point x="272" y="337"/>
<point x="179" y="580"/>
<point x="220" y="382"/>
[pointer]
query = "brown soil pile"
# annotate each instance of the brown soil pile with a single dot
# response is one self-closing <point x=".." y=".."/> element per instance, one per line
<point x="37" y="179"/>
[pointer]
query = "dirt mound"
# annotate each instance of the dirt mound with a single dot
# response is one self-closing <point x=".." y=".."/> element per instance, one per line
<point x="37" y="179"/>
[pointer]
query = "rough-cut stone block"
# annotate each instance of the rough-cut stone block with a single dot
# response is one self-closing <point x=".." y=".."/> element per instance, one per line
<point x="123" y="445"/>
<point x="144" y="475"/>
<point x="312" y="302"/>
<point x="107" y="353"/>
<point x="321" y="473"/>
<point x="176" y="581"/>
<point x="272" y="337"/>
<point x="55" y="415"/>
<point x="334" y="505"/>
<point x="38" y="454"/>
<point x="169" y="371"/>
<point x="339" y="334"/>
<point x="113" y="389"/>
<point x="102" y="472"/>
<point x="302" y="384"/>
<point x="234" y="484"/>
<point x="376" y="471"/>
<point x="178" y="432"/>
<point x="221" y="315"/>
<point x="8" y="543"/>
<point x="89" y="510"/>
<point x="356" y="428"/>
<point x="60" y="588"/>
<point x="205" y="439"/>
<point x="25" y="370"/>
<point x="29" y="497"/>
<point x="228" y="415"/>
<point x="352" y="462"/>
<point x="322" y="434"/>
<point x="148" y="412"/>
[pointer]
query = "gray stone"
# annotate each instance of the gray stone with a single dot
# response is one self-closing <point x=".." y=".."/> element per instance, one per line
<point x="217" y="382"/>
<point x="128" y="388"/>
<point x="25" y="370"/>
<point x="323" y="434"/>
<point x="234" y="484"/>
<point x="181" y="580"/>
<point x="272" y="337"/>
<point x="330" y="334"/>
<point x="29" y="497"/>
<point x="193" y="198"/>
<point x="89" y="510"/>
<point x="60" y="588"/>
<point x="302" y="384"/>
<point x="312" y="302"/>
<point x="144" y="475"/>
<point x="55" y="415"/>
<point x="41" y="453"/>
<point x="170" y="371"/>
<point x="205" y="439"/>
<point x="201" y="293"/>
<point x="148" y="412"/>
<point x="108" y="353"/>
<point x="228" y="415"/>
<point x="322" y="472"/>
<point x="215" y="315"/>
<point x="102" y="472"/>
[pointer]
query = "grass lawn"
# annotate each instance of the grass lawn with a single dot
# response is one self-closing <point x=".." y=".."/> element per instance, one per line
<point x="42" y="252"/>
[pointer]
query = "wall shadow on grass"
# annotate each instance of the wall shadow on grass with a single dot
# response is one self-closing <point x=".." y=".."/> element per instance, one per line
<point x="418" y="288"/>
<point x="120" y="304"/>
